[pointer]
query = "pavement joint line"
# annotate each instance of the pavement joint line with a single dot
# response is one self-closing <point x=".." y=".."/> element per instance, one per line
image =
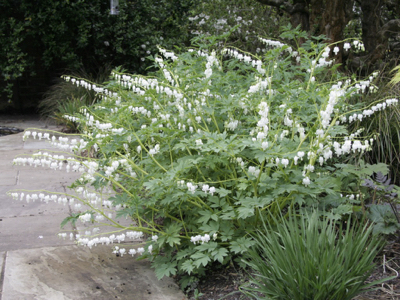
<point x="74" y="228"/>
<point x="16" y="181"/>
<point x="2" y="273"/>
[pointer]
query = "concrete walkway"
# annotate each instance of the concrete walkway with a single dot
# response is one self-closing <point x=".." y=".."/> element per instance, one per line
<point x="35" y="263"/>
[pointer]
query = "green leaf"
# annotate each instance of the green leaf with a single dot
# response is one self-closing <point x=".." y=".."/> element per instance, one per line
<point x="371" y="169"/>
<point x="172" y="234"/>
<point x="226" y="231"/>
<point x="228" y="214"/>
<point x="213" y="226"/>
<point x="210" y="246"/>
<point x="241" y="245"/>
<point x="219" y="254"/>
<point x="188" y="266"/>
<point x="73" y="218"/>
<point x="379" y="213"/>
<point x="206" y="215"/>
<point x="382" y="228"/>
<point x="200" y="258"/>
<point x="165" y="270"/>
<point x="183" y="253"/>
<point x="285" y="188"/>
<point x="343" y="209"/>
<point x="242" y="186"/>
<point x="223" y="192"/>
<point x="245" y="212"/>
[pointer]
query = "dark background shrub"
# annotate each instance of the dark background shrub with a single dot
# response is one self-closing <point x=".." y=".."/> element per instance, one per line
<point x="42" y="39"/>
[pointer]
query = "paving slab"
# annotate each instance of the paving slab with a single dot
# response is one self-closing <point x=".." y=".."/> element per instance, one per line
<point x="45" y="178"/>
<point x="11" y="142"/>
<point x="35" y="263"/>
<point x="28" y="121"/>
<point x="10" y="208"/>
<point x="8" y="175"/>
<point x="73" y="272"/>
<point x="25" y="232"/>
<point x="6" y="159"/>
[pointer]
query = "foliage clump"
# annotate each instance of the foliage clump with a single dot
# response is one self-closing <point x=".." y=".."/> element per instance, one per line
<point x="309" y="258"/>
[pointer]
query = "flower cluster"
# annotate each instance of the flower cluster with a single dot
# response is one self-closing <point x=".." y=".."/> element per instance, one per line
<point x="211" y="60"/>
<point x="204" y="24"/>
<point x="334" y="96"/>
<point x="35" y="134"/>
<point x="46" y="198"/>
<point x="203" y="238"/>
<point x="207" y="189"/>
<point x="107" y="240"/>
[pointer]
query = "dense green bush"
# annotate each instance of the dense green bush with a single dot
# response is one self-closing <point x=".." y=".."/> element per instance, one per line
<point x="195" y="154"/>
<point x="54" y="35"/>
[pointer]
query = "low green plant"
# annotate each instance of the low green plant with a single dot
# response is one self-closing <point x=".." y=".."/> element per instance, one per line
<point x="396" y="77"/>
<point x="70" y="106"/>
<point x="303" y="257"/>
<point x="66" y="98"/>
<point x="382" y="204"/>
<point x="197" y="294"/>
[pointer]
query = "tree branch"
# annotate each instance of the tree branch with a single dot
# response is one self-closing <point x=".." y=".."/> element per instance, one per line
<point x="286" y="6"/>
<point x="276" y="3"/>
<point x="389" y="28"/>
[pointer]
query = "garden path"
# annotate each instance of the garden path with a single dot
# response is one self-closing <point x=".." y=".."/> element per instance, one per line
<point x="35" y="263"/>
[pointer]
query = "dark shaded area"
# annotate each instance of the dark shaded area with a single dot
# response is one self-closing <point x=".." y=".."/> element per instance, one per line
<point x="4" y="130"/>
<point x="376" y="22"/>
<point x="43" y="40"/>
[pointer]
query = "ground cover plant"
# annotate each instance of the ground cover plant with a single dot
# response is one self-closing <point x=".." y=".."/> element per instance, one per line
<point x="64" y="98"/>
<point x="216" y="141"/>
<point x="304" y="257"/>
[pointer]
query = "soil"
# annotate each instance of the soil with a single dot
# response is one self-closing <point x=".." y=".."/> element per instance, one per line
<point x="387" y="265"/>
<point x="224" y="284"/>
<point x="221" y="284"/>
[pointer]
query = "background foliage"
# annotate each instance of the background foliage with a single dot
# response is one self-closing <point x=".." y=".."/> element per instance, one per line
<point x="42" y="39"/>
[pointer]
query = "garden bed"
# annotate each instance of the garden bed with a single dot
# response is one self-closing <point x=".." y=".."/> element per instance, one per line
<point x="224" y="283"/>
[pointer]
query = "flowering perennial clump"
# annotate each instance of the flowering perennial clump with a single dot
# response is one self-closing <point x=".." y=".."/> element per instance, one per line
<point x="195" y="154"/>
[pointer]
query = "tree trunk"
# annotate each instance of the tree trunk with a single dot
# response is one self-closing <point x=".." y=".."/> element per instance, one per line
<point x="371" y="17"/>
<point x="328" y="17"/>
<point x="316" y="10"/>
<point x="335" y="17"/>
<point x="299" y="15"/>
<point x="298" y="11"/>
